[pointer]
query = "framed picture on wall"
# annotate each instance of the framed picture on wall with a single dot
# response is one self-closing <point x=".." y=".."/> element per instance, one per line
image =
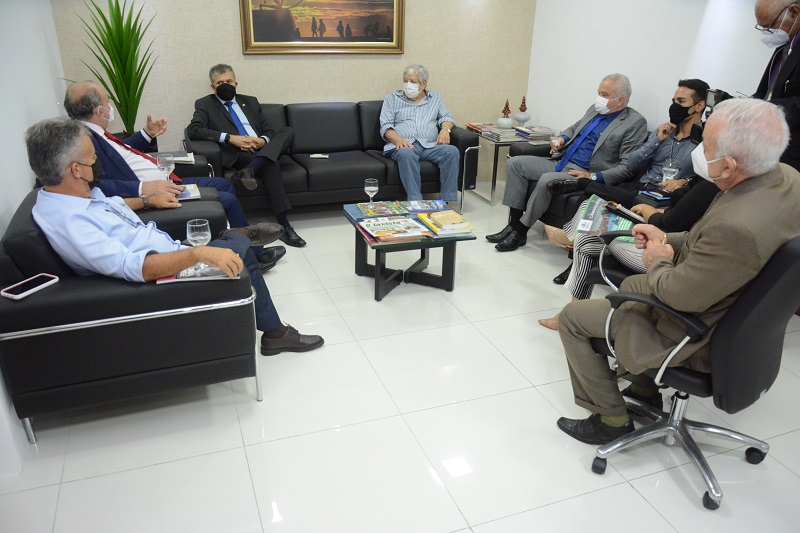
<point x="322" y="26"/>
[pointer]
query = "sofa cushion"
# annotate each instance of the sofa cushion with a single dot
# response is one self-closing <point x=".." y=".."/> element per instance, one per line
<point x="428" y="172"/>
<point x="370" y="113"/>
<point x="276" y="117"/>
<point x="27" y="245"/>
<point x="324" y="127"/>
<point x="342" y="170"/>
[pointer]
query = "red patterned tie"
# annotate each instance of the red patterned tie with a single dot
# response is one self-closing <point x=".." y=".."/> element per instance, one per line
<point x="113" y="139"/>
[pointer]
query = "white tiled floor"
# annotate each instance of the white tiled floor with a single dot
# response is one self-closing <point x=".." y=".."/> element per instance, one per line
<point x="426" y="412"/>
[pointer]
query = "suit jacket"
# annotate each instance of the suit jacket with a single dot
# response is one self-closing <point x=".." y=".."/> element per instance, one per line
<point x="786" y="93"/>
<point x="212" y="118"/>
<point x="610" y="156"/>
<point x="118" y="178"/>
<point x="715" y="260"/>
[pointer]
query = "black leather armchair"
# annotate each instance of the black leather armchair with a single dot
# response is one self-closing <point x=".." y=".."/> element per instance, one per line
<point x="745" y="354"/>
<point x="91" y="340"/>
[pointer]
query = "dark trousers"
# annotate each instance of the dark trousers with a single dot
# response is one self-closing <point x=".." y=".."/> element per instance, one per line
<point x="624" y="193"/>
<point x="270" y="171"/>
<point x="267" y="318"/>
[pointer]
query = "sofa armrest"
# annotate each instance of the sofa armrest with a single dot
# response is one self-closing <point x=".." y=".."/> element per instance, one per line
<point x="522" y="148"/>
<point x="80" y="299"/>
<point x="208" y="149"/>
<point x="462" y="139"/>
<point x="198" y="169"/>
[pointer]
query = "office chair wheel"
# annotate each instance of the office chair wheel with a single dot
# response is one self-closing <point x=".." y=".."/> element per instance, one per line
<point x="754" y="455"/>
<point x="599" y="465"/>
<point x="708" y="503"/>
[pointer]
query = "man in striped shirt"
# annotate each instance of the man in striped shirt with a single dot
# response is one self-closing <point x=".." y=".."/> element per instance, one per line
<point x="410" y="120"/>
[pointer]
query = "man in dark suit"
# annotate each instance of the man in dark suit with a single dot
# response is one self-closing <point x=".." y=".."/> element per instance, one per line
<point x="248" y="144"/>
<point x="780" y="84"/>
<point x="130" y="174"/>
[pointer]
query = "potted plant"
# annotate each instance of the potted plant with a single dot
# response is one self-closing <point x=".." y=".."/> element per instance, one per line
<point x="117" y="43"/>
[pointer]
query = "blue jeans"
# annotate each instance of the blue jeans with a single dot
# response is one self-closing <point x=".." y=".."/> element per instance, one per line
<point x="444" y="156"/>
<point x="267" y="318"/>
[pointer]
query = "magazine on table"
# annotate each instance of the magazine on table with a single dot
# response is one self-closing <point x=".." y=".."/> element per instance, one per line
<point x="395" y="229"/>
<point x="424" y="206"/>
<point x="382" y="209"/>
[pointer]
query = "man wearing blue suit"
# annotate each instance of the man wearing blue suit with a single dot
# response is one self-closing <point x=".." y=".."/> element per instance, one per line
<point x="131" y="174"/>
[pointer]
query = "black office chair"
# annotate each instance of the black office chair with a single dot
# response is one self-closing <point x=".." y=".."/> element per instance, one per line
<point x="745" y="357"/>
<point x="608" y="269"/>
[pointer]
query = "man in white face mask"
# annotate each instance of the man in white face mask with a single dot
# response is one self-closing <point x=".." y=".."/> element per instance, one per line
<point x="416" y="126"/>
<point x="702" y="271"/>
<point x="779" y="23"/>
<point x="595" y="148"/>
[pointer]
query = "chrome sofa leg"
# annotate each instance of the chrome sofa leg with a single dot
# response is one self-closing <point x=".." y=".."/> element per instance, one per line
<point x="26" y="423"/>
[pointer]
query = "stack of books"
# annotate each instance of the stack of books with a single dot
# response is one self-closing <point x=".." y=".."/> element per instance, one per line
<point x="479" y="127"/>
<point x="498" y="134"/>
<point x="446" y="223"/>
<point x="393" y="229"/>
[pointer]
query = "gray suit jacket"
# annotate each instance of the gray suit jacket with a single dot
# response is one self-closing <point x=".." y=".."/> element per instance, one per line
<point x="715" y="260"/>
<point x="620" y="138"/>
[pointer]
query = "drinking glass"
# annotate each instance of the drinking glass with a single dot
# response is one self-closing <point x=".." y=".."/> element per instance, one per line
<point x="556" y="140"/>
<point x="166" y="164"/>
<point x="371" y="188"/>
<point x="669" y="171"/>
<point x="198" y="233"/>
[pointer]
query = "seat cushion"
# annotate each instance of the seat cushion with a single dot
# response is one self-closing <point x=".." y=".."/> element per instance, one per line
<point x="342" y="170"/>
<point x="324" y="127"/>
<point x="428" y="172"/>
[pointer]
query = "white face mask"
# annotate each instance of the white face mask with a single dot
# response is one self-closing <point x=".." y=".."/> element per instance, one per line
<point x="411" y="90"/>
<point x="700" y="164"/>
<point x="110" y="109"/>
<point x="601" y="104"/>
<point x="776" y="38"/>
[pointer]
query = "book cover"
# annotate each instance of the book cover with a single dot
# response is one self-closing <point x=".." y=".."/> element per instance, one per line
<point x="382" y="209"/>
<point x="180" y="157"/>
<point x="196" y="274"/>
<point x="424" y="206"/>
<point x="190" y="192"/>
<point x="353" y="213"/>
<point x="395" y="229"/>
<point x="597" y="219"/>
<point x="440" y="232"/>
<point x="448" y="219"/>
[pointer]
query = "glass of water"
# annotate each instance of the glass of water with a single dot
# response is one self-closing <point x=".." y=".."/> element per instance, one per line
<point x="556" y="140"/>
<point x="198" y="233"/>
<point x="166" y="164"/>
<point x="669" y="171"/>
<point x="371" y="188"/>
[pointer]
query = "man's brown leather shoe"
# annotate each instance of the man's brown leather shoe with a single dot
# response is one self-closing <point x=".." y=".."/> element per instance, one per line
<point x="259" y="234"/>
<point x="292" y="341"/>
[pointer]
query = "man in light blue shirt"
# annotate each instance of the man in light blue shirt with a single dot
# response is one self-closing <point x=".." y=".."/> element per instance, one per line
<point x="410" y="120"/>
<point x="94" y="234"/>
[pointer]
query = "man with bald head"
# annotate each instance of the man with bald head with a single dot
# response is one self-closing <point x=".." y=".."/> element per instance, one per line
<point x="702" y="271"/>
<point x="130" y="174"/>
<point x="779" y="23"/>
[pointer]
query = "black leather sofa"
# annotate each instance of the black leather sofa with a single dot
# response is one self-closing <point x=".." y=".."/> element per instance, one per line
<point x="349" y="133"/>
<point x="91" y="340"/>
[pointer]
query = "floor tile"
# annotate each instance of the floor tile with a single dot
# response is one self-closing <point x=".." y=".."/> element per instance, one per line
<point x="314" y="313"/>
<point x="29" y="511"/>
<point x="293" y="274"/>
<point x="44" y="462"/>
<point x="504" y="454"/>
<point x="152" y="430"/>
<point x="376" y="478"/>
<point x="791" y="353"/>
<point x="755" y="497"/>
<point x="784" y="448"/>
<point x="211" y="493"/>
<point x="307" y="392"/>
<point x="436" y="367"/>
<point x="586" y="513"/>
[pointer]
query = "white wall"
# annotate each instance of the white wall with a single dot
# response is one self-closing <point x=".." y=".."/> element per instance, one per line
<point x="32" y="91"/>
<point x="654" y="42"/>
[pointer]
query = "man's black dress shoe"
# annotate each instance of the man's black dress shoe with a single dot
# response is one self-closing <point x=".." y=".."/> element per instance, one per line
<point x="513" y="241"/>
<point x="246" y="178"/>
<point x="563" y="186"/>
<point x="500" y="235"/>
<point x="259" y="234"/>
<point x="562" y="278"/>
<point x="592" y="431"/>
<point x="270" y="257"/>
<point x="292" y="341"/>
<point x="655" y="400"/>
<point x="291" y="237"/>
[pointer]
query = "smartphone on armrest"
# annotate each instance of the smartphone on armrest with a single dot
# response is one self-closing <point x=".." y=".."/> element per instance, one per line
<point x="25" y="288"/>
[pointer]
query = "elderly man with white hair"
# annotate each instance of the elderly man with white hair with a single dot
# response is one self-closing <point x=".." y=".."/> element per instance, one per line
<point x="416" y="126"/>
<point x="702" y="271"/>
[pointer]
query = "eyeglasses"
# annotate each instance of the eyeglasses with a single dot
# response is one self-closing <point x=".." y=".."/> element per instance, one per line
<point x="768" y="29"/>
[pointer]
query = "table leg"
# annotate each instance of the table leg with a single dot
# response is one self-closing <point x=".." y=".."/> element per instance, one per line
<point x="446" y="280"/>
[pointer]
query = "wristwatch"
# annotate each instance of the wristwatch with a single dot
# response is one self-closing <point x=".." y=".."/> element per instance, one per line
<point x="446" y="129"/>
<point x="146" y="201"/>
<point x="593" y="176"/>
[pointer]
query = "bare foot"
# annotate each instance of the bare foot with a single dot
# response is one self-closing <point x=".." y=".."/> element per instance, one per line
<point x="549" y="323"/>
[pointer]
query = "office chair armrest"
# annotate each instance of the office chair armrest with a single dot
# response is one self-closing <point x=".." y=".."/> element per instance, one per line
<point x="695" y="328"/>
<point x="611" y="235"/>
<point x="607" y="238"/>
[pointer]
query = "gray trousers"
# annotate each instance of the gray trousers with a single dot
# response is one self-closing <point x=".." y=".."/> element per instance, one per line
<point x="526" y="185"/>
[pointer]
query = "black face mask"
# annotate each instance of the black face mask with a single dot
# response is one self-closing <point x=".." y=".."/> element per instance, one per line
<point x="678" y="113"/>
<point x="226" y="92"/>
<point x="97" y="174"/>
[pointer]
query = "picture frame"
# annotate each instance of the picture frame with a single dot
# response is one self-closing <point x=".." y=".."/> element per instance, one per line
<point x="300" y="27"/>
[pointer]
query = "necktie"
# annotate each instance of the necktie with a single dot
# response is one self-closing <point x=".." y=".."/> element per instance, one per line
<point x="235" y="117"/>
<point x="577" y="142"/>
<point x="150" y="158"/>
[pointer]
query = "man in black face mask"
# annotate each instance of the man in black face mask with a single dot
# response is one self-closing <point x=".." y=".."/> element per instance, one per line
<point x="249" y="145"/>
<point x="669" y="142"/>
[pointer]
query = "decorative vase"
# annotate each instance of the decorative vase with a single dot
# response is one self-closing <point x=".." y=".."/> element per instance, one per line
<point x="505" y="123"/>
<point x="522" y="118"/>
